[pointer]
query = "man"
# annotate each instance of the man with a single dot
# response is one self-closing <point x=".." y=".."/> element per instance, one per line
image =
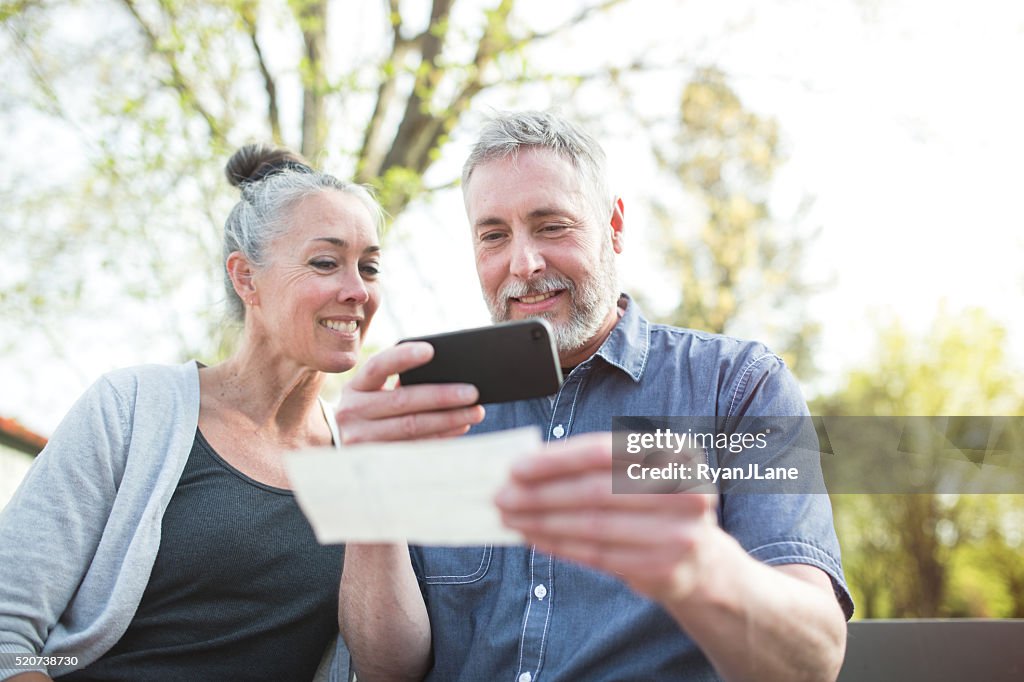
<point x="609" y="586"/>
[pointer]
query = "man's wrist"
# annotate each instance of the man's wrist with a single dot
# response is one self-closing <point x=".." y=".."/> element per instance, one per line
<point x="713" y="581"/>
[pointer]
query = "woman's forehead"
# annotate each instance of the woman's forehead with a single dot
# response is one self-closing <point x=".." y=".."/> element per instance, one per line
<point x="333" y="215"/>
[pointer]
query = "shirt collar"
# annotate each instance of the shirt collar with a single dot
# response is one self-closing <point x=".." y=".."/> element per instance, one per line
<point x="630" y="341"/>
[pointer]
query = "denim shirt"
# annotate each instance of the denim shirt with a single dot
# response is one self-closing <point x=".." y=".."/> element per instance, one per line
<point x="517" y="615"/>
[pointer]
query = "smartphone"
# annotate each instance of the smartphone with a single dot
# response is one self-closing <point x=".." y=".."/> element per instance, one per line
<point x="508" y="361"/>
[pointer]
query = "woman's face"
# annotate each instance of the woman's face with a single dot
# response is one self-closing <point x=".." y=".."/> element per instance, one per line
<point x="318" y="291"/>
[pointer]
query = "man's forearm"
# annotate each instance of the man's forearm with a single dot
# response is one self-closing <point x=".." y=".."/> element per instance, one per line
<point x="382" y="615"/>
<point x="757" y="622"/>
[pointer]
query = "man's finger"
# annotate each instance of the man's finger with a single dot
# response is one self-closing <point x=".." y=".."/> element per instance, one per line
<point x="593" y="490"/>
<point x="579" y="454"/>
<point x="633" y="529"/>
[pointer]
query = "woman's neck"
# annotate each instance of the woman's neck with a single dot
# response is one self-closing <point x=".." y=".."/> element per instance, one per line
<point x="278" y="398"/>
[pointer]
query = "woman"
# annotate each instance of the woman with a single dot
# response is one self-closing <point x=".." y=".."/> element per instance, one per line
<point x="155" y="537"/>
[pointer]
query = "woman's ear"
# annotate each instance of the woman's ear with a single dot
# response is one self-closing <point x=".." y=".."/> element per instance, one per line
<point x="240" y="271"/>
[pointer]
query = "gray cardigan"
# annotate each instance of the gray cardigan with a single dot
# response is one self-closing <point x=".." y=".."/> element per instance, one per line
<point x="79" y="537"/>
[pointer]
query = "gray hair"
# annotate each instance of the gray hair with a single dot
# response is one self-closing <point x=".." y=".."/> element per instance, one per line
<point x="504" y="135"/>
<point x="264" y="211"/>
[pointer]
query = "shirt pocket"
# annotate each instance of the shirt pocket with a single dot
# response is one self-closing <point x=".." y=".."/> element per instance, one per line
<point x="455" y="565"/>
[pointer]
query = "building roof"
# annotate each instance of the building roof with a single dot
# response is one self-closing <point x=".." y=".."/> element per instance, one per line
<point x="14" y="435"/>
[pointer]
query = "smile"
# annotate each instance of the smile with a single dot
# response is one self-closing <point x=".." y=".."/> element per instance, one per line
<point x="537" y="298"/>
<point x="344" y="326"/>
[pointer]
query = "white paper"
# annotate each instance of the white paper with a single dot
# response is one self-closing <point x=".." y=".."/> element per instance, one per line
<point x="429" y="492"/>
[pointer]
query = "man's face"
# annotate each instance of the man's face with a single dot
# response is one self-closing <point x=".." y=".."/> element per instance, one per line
<point x="540" y="250"/>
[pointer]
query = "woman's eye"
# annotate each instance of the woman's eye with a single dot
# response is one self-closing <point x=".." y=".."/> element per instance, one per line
<point x="322" y="264"/>
<point x="370" y="269"/>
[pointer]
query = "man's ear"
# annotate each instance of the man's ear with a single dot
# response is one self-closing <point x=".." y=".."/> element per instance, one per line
<point x="240" y="271"/>
<point x="618" y="223"/>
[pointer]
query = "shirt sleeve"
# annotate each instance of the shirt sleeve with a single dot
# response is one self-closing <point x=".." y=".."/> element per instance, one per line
<point x="52" y="525"/>
<point x="784" y="528"/>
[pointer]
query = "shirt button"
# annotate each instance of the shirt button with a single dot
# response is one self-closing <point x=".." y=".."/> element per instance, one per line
<point x="540" y="591"/>
<point x="558" y="431"/>
<point x="525" y="677"/>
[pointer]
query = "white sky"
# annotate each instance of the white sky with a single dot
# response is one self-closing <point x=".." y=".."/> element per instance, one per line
<point x="902" y="118"/>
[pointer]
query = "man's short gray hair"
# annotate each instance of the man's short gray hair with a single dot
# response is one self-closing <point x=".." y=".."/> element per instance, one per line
<point x="504" y="135"/>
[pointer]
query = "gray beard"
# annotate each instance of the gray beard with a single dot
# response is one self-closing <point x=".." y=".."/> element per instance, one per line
<point x="589" y="302"/>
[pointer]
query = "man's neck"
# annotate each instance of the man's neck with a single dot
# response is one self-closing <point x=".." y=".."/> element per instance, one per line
<point x="594" y="344"/>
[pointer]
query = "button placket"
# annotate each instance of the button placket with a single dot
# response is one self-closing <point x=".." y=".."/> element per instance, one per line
<point x="563" y="404"/>
<point x="537" y="617"/>
<point x="541" y="586"/>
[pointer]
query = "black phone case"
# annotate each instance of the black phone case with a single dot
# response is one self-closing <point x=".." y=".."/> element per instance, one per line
<point x="508" y="361"/>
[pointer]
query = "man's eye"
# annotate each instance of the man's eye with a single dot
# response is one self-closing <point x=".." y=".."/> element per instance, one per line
<point x="552" y="228"/>
<point x="492" y="236"/>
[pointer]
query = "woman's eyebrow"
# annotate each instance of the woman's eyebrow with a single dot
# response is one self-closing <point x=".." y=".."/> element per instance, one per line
<point x="331" y="240"/>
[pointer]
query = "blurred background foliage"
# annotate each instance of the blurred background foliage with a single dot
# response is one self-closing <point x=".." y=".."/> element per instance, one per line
<point x="933" y="555"/>
<point x="153" y="95"/>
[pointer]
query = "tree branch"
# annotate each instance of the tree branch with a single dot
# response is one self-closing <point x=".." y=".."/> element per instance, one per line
<point x="395" y="16"/>
<point x="409" y="140"/>
<point x="312" y="18"/>
<point x="579" y="18"/>
<point x="247" y="11"/>
<point x="9" y="10"/>
<point x="371" y="155"/>
<point x="425" y="130"/>
<point x="178" y="81"/>
<point x="52" y="104"/>
<point x="425" y="124"/>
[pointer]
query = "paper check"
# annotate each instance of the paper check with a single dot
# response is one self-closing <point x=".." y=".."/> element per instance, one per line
<point x="430" y="492"/>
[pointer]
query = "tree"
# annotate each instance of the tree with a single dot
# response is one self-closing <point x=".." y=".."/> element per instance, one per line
<point x="738" y="262"/>
<point x="154" y="94"/>
<point x="905" y="553"/>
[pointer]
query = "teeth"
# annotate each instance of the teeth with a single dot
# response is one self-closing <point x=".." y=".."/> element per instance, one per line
<point x="538" y="298"/>
<point x="340" y="326"/>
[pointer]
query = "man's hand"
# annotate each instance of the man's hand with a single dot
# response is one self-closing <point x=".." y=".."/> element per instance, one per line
<point x="369" y="412"/>
<point x="752" y="621"/>
<point x="561" y="501"/>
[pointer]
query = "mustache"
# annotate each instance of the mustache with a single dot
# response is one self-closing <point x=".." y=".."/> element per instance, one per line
<point x="519" y="288"/>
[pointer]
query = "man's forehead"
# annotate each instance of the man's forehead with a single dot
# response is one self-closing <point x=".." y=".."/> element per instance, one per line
<point x="526" y="158"/>
<point x="545" y="183"/>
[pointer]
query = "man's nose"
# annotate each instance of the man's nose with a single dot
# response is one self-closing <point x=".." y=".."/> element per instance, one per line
<point x="527" y="260"/>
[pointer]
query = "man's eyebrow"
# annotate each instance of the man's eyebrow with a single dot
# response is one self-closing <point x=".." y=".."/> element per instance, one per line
<point x="543" y="212"/>
<point x="489" y="222"/>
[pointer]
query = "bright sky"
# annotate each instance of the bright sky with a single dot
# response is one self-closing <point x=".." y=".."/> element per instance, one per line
<point x="901" y="119"/>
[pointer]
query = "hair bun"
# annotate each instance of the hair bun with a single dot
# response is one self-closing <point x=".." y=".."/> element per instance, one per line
<point x="254" y="162"/>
